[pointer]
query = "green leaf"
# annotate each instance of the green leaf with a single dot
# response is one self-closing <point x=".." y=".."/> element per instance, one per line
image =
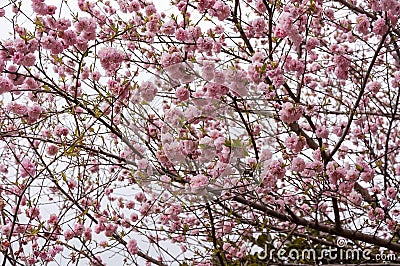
<point x="263" y="239"/>
<point x="64" y="176"/>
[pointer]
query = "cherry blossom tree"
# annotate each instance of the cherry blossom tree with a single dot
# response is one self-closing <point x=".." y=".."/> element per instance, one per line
<point x="197" y="132"/>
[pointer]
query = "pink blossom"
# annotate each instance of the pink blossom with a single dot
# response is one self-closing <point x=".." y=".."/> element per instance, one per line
<point x="169" y="27"/>
<point x="392" y="225"/>
<point x="27" y="168"/>
<point x="386" y="5"/>
<point x="379" y="213"/>
<point x="208" y="71"/>
<point x="336" y="175"/>
<point x="362" y="24"/>
<point x="110" y="229"/>
<point x="86" y="24"/>
<point x="34" y="112"/>
<point x="28" y="60"/>
<point x="130" y="204"/>
<point x="298" y="164"/>
<point x="52" y="44"/>
<point x="96" y="75"/>
<point x="145" y="209"/>
<point x="380" y="26"/>
<point x="31" y="260"/>
<point x="6" y="229"/>
<point x="305" y="208"/>
<point x="188" y="146"/>
<point x="277" y="168"/>
<point x="46" y="133"/>
<point x="52" y="150"/>
<point x="374" y="87"/>
<point x="259" y="57"/>
<point x="286" y="27"/>
<point x="78" y="229"/>
<point x="85" y="73"/>
<point x="352" y="175"/>
<point x="2" y="12"/>
<point x="385" y="202"/>
<point x="181" y="34"/>
<point x="171" y="59"/>
<point x="346" y="187"/>
<point x="68" y="235"/>
<point x="396" y="79"/>
<point x="39" y="7"/>
<point x="63" y="23"/>
<point x="342" y="65"/>
<point x="280" y="33"/>
<point x="99" y="228"/>
<point x="61" y="131"/>
<point x="182" y="93"/>
<point x="18" y="58"/>
<point x="140" y="197"/>
<point x="31" y="84"/>
<point x="111" y="58"/>
<point x="204" y="5"/>
<point x="69" y="38"/>
<point x="376" y="190"/>
<point x="108" y="191"/>
<point x="51" y="10"/>
<point x="132" y="246"/>
<point x="214" y="90"/>
<point x="329" y="13"/>
<point x="150" y="10"/>
<point x="33" y="213"/>
<point x="79" y="110"/>
<point x="5" y="85"/>
<point x="198" y="183"/>
<point x="123" y="6"/>
<point x="322" y="132"/>
<point x="134" y="217"/>
<point x="95" y="167"/>
<point x="392" y="15"/>
<point x="293" y="65"/>
<point x="194" y="32"/>
<point x="148" y="91"/>
<point x="17" y="108"/>
<point x="53" y="219"/>
<point x="312" y="43"/>
<point x="260" y="6"/>
<point x="135" y="5"/>
<point x="180" y="72"/>
<point x="290" y="112"/>
<point x="87" y="234"/>
<point x="355" y="198"/>
<point x="391" y="192"/>
<point x="220" y="10"/>
<point x="205" y="44"/>
<point x="295" y="143"/>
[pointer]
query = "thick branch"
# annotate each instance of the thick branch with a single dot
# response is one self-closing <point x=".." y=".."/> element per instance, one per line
<point x="350" y="234"/>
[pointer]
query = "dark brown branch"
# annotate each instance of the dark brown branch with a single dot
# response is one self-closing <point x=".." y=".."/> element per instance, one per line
<point x="346" y="233"/>
<point x="357" y="102"/>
